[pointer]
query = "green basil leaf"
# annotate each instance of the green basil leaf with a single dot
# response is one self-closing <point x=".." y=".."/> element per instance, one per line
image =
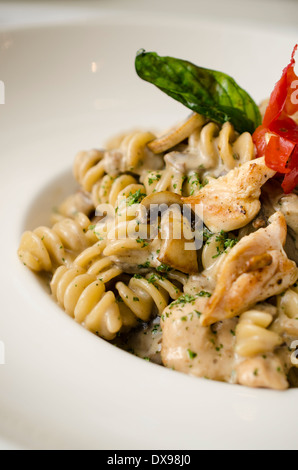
<point x="213" y="94"/>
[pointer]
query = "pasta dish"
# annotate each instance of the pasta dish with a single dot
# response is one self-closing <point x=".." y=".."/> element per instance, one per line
<point x="181" y="248"/>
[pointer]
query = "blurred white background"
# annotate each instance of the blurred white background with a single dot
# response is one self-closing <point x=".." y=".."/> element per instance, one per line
<point x="276" y="14"/>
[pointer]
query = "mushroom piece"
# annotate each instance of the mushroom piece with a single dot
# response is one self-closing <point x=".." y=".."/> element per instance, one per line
<point x="255" y="269"/>
<point x="177" y="240"/>
<point x="79" y="202"/>
<point x="177" y="134"/>
<point x="178" y="249"/>
<point x="232" y="201"/>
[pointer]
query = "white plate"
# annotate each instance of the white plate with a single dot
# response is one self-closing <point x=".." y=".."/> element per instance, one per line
<point x="62" y="387"/>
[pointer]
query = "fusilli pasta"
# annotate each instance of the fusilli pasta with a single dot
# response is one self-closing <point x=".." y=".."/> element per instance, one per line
<point x="124" y="247"/>
<point x="44" y="249"/>
<point x="252" y="334"/>
<point x="142" y="293"/>
<point x="84" y="298"/>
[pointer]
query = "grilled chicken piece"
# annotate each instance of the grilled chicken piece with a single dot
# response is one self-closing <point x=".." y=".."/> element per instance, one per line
<point x="262" y="372"/>
<point x="189" y="347"/>
<point x="232" y="201"/>
<point x="255" y="269"/>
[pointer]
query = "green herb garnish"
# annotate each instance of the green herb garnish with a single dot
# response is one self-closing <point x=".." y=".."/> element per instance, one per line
<point x="213" y="94"/>
<point x="203" y="293"/>
<point x="225" y="242"/>
<point x="153" y="178"/>
<point x="192" y="355"/>
<point x="142" y="242"/>
<point x="164" y="268"/>
<point x="135" y="198"/>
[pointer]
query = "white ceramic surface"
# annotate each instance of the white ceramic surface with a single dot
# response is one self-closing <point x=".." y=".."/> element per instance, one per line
<point x="62" y="387"/>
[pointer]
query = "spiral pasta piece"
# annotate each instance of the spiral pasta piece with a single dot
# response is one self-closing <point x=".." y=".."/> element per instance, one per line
<point x="130" y="152"/>
<point x="235" y="150"/>
<point x="112" y="191"/>
<point x="44" y="249"/>
<point x="95" y="264"/>
<point x="84" y="298"/>
<point x="203" y="141"/>
<point x="221" y="145"/>
<point x="136" y="152"/>
<point x="164" y="180"/>
<point x="287" y="320"/>
<point x="89" y="168"/>
<point x="129" y="253"/>
<point x="143" y="295"/>
<point x="252" y="334"/>
<point x="108" y="189"/>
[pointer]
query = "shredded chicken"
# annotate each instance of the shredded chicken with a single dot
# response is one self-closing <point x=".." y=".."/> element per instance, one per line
<point x="189" y="347"/>
<point x="254" y="270"/>
<point x="262" y="372"/>
<point x="232" y="201"/>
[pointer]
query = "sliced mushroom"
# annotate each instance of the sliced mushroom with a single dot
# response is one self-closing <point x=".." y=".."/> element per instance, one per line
<point x="177" y="246"/>
<point x="176" y="135"/>
<point x="158" y="201"/>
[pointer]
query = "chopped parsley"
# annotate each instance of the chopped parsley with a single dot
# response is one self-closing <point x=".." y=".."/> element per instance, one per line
<point x="138" y="276"/>
<point x="190" y="299"/>
<point x="207" y="234"/>
<point x="153" y="178"/>
<point x="192" y="355"/>
<point x="155" y="329"/>
<point x="183" y="300"/>
<point x="225" y="242"/>
<point x="142" y="242"/>
<point x="164" y="268"/>
<point x="155" y="277"/>
<point x="145" y="265"/>
<point x="135" y="198"/>
<point x="195" y="184"/>
<point x="203" y="293"/>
